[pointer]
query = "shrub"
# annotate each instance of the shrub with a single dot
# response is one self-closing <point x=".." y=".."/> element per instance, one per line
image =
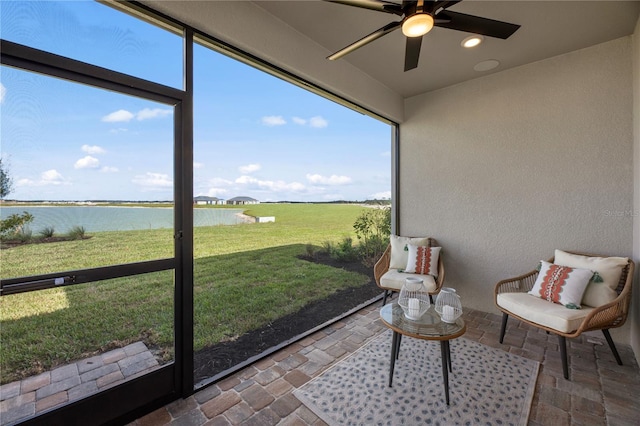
<point x="14" y="225"/>
<point x="373" y="228"/>
<point x="76" y="233"/>
<point x="327" y="247"/>
<point x="24" y="235"/>
<point x="47" y="232"/>
<point x="344" y="251"/>
<point x="311" y="250"/>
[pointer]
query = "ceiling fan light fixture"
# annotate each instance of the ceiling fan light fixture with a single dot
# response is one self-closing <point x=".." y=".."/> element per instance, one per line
<point x="472" y="41"/>
<point x="417" y="25"/>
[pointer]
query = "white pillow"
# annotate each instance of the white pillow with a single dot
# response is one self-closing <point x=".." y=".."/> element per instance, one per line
<point x="423" y="260"/>
<point x="602" y="288"/>
<point x="561" y="284"/>
<point x="400" y="252"/>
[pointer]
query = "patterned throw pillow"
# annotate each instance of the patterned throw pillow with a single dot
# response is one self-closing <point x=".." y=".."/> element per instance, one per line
<point x="423" y="260"/>
<point x="399" y="250"/>
<point x="602" y="288"/>
<point x="561" y="284"/>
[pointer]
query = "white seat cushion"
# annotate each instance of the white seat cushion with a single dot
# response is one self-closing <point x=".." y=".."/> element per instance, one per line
<point x="394" y="279"/>
<point x="545" y="313"/>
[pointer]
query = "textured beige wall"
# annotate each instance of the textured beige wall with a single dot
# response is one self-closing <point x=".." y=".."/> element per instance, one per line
<point x="505" y="168"/>
<point x="635" y="307"/>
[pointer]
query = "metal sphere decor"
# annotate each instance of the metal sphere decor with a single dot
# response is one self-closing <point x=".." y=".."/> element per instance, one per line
<point x="448" y="304"/>
<point x="414" y="298"/>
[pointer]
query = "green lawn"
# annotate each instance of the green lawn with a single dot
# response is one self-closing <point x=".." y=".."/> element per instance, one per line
<point x="245" y="277"/>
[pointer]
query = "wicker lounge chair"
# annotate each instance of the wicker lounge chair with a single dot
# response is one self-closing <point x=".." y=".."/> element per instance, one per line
<point x="511" y="298"/>
<point x="391" y="280"/>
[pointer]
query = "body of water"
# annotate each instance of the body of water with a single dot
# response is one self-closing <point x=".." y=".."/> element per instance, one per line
<point x="102" y="218"/>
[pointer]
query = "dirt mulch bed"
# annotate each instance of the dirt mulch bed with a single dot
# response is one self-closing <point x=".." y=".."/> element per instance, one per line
<point x="7" y="244"/>
<point x="217" y="358"/>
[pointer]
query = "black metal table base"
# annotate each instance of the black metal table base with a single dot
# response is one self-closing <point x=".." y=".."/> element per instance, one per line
<point x="445" y="351"/>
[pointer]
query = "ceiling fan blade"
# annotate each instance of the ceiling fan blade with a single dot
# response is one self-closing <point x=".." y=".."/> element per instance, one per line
<point x="477" y="25"/>
<point x="378" y="5"/>
<point x="412" y="53"/>
<point x="442" y="5"/>
<point x="365" y="40"/>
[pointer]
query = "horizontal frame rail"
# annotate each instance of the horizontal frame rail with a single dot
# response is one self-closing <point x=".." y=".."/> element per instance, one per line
<point x="61" y="279"/>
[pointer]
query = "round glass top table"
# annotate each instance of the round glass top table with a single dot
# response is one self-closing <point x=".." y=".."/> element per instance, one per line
<point x="428" y="327"/>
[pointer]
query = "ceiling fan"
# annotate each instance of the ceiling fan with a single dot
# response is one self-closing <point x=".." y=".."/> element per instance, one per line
<point x="418" y="18"/>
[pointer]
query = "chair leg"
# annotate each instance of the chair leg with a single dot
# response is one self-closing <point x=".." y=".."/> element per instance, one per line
<point x="384" y="300"/>
<point x="607" y="336"/>
<point x="563" y="354"/>
<point x="505" y="317"/>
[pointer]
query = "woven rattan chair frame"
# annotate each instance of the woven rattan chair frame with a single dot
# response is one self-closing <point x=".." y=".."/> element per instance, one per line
<point x="605" y="317"/>
<point x="382" y="266"/>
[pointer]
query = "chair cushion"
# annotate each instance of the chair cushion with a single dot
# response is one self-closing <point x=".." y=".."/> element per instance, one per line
<point x="608" y="268"/>
<point x="394" y="279"/>
<point x="400" y="251"/>
<point x="540" y="311"/>
<point x="422" y="260"/>
<point x="561" y="284"/>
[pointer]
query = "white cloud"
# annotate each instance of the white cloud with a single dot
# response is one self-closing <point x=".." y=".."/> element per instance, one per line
<point x="273" y="120"/>
<point x="318" y="122"/>
<point x="328" y="180"/>
<point x="251" y="182"/>
<point x="3" y="92"/>
<point x="246" y="180"/>
<point x="95" y="149"/>
<point x="216" y="192"/>
<point x="121" y="115"/>
<point x="249" y="168"/>
<point x="197" y="165"/>
<point x="87" y="162"/>
<point x="219" y="182"/>
<point x="50" y="177"/>
<point x="153" y="181"/>
<point x="118" y="130"/>
<point x="107" y="169"/>
<point x="384" y="195"/>
<point x="385" y="154"/>
<point x="148" y="113"/>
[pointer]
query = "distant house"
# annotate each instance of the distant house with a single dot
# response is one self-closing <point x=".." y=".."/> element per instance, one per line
<point x="242" y="200"/>
<point x="203" y="199"/>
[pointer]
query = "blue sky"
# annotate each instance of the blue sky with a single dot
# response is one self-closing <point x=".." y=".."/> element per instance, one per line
<point x="255" y="135"/>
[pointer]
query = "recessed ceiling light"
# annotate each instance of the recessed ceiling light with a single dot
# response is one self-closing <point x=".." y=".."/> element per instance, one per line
<point x="486" y="65"/>
<point x="472" y="41"/>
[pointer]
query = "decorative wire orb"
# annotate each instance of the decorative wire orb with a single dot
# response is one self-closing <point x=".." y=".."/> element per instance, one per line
<point x="448" y="304"/>
<point x="414" y="298"/>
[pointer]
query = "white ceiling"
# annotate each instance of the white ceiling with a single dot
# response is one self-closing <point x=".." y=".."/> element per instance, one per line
<point x="548" y="28"/>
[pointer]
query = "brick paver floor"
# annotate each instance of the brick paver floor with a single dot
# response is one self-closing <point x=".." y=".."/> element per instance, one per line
<point x="22" y="399"/>
<point x="600" y="392"/>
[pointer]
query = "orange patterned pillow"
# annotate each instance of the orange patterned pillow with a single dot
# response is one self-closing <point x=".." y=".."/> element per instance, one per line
<point x="561" y="284"/>
<point x="423" y="260"/>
